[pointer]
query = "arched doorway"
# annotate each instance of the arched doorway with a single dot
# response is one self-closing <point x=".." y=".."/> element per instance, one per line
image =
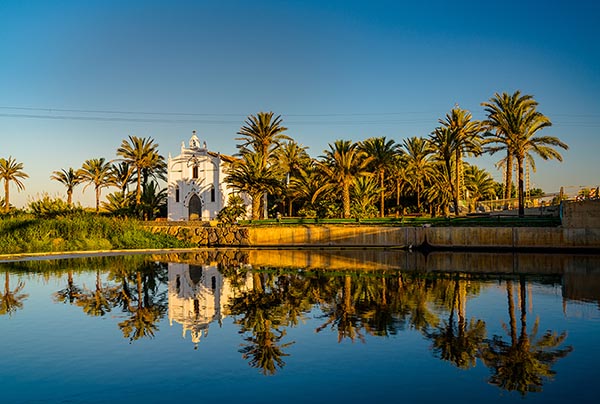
<point x="195" y="208"/>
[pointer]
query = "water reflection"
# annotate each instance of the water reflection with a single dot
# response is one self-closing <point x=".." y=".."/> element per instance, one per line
<point x="11" y="300"/>
<point x="352" y="296"/>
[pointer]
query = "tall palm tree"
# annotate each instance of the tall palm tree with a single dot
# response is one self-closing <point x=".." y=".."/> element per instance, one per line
<point x="10" y="170"/>
<point x="418" y="164"/>
<point x="121" y="175"/>
<point x="383" y="154"/>
<point x="291" y="158"/>
<point x="97" y="172"/>
<point x="343" y="163"/>
<point x="516" y="122"/>
<point x="262" y="134"/>
<point x="141" y="153"/>
<point x="443" y="141"/>
<point x="69" y="178"/>
<point x="249" y="175"/>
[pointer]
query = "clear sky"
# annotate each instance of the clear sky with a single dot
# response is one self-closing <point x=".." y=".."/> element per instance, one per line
<point x="332" y="69"/>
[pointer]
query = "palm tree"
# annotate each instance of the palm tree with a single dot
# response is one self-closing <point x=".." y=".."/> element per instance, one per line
<point x="145" y="315"/>
<point x="418" y="164"/>
<point x="291" y="158"/>
<point x="95" y="303"/>
<point x="525" y="362"/>
<point x="458" y="343"/>
<point x="480" y="185"/>
<point x="364" y="194"/>
<point x="443" y="140"/>
<point x="97" y="172"/>
<point x="121" y="175"/>
<point x="466" y="141"/>
<point x="516" y="122"/>
<point x="343" y="163"/>
<point x="249" y="175"/>
<point x="383" y="155"/>
<point x="142" y="154"/>
<point x="262" y="134"/>
<point x="10" y="170"/>
<point x="11" y="300"/>
<point x="69" y="178"/>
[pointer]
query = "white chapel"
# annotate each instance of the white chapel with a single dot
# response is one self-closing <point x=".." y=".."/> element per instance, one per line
<point x="196" y="186"/>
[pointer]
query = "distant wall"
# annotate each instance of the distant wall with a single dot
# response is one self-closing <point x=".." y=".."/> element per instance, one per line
<point x="584" y="214"/>
<point x="377" y="236"/>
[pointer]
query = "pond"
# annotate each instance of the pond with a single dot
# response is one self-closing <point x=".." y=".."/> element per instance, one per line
<point x="297" y="325"/>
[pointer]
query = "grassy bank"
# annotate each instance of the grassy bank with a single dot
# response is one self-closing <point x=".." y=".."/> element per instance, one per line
<point x="78" y="232"/>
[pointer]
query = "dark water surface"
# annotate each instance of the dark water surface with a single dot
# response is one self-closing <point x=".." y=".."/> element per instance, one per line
<point x="297" y="326"/>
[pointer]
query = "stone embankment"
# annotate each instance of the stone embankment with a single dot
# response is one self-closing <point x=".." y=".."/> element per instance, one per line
<point x="434" y="238"/>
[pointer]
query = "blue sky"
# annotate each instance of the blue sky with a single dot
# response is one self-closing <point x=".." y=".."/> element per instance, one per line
<point x="333" y="70"/>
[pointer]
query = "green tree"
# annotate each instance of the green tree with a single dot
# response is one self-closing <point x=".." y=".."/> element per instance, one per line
<point x="419" y="167"/>
<point x="121" y="175"/>
<point x="382" y="153"/>
<point x="364" y="195"/>
<point x="479" y="184"/>
<point x="291" y="158"/>
<point x="465" y="141"/>
<point x="262" y="134"/>
<point x="516" y="123"/>
<point x="69" y="178"/>
<point x="97" y="172"/>
<point x="249" y="175"/>
<point x="142" y="154"/>
<point x="343" y="163"/>
<point x="10" y="170"/>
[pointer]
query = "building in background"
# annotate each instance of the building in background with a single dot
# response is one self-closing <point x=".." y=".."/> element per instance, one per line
<point x="196" y="186"/>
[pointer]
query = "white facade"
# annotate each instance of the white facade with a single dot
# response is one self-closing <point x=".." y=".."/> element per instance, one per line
<point x="198" y="296"/>
<point x="196" y="187"/>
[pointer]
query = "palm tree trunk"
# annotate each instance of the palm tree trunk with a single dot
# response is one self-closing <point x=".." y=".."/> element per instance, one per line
<point x="256" y="199"/>
<point x="381" y="182"/>
<point x="138" y="189"/>
<point x="520" y="190"/>
<point x="69" y="196"/>
<point x="346" y="199"/>
<point x="511" y="312"/>
<point x="456" y="194"/>
<point x="97" y="199"/>
<point x="508" y="184"/>
<point x="6" y="203"/>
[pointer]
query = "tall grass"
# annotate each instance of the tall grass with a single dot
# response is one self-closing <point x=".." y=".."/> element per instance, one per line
<point x="78" y="232"/>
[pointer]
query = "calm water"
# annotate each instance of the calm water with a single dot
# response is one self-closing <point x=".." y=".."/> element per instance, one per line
<point x="297" y="326"/>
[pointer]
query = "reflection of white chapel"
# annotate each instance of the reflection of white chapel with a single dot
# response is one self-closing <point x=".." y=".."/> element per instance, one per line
<point x="198" y="296"/>
<point x="196" y="187"/>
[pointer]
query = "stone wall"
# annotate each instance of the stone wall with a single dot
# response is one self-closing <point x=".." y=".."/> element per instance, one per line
<point x="396" y="237"/>
<point x="584" y="214"/>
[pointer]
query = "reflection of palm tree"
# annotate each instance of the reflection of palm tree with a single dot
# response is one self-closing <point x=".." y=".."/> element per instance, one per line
<point x="70" y="293"/>
<point x="95" y="303"/>
<point x="524" y="363"/>
<point x="147" y="312"/>
<point x="11" y="300"/>
<point x="458" y="343"/>
<point x="263" y="314"/>
<point x="341" y="314"/>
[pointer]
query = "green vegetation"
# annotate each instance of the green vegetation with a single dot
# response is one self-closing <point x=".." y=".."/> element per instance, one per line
<point x="77" y="232"/>
<point x="425" y="175"/>
<point x="422" y="175"/>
